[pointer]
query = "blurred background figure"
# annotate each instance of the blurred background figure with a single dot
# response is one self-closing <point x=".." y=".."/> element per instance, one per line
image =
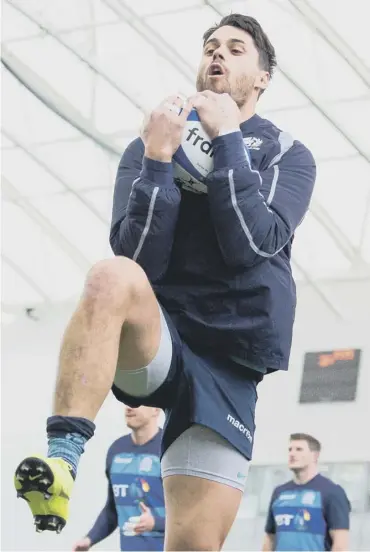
<point x="310" y="512"/>
<point x="135" y="500"/>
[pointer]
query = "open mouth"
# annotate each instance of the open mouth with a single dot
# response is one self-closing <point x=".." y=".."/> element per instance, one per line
<point x="216" y="70"/>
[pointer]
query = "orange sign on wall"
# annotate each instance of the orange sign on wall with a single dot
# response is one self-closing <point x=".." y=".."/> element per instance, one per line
<point x="328" y="359"/>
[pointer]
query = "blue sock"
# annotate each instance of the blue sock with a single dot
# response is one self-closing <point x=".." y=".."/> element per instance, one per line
<point x="70" y="447"/>
<point x="67" y="436"/>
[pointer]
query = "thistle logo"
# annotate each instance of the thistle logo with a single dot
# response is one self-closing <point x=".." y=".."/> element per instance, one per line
<point x="240" y="427"/>
<point x="301" y="520"/>
<point x="253" y="143"/>
<point x="204" y="145"/>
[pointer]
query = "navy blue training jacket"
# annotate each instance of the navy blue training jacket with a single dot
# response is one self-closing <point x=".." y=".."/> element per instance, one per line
<point x="220" y="262"/>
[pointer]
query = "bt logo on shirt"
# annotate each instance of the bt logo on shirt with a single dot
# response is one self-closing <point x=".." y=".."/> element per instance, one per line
<point x="136" y="490"/>
<point x="300" y="520"/>
<point x="120" y="490"/>
<point x="283" y="519"/>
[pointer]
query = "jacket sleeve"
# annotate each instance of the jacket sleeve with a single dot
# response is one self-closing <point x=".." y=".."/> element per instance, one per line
<point x="337" y="509"/>
<point x="145" y="210"/>
<point x="254" y="213"/>
<point x="270" y="527"/>
<point x="159" y="524"/>
<point x="107" y="521"/>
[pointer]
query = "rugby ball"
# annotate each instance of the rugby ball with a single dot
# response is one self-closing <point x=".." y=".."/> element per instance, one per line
<point x="193" y="160"/>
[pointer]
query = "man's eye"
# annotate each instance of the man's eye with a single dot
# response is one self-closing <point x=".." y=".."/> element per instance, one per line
<point x="209" y="52"/>
<point x="236" y="52"/>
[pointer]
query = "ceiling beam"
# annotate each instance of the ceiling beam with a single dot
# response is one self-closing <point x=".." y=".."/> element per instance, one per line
<point x="42" y="163"/>
<point x="163" y="48"/>
<point x="321" y="26"/>
<point x="93" y="65"/>
<point x="316" y="287"/>
<point x="93" y="52"/>
<point x="14" y="266"/>
<point x="336" y="233"/>
<point x="365" y="224"/>
<point x="54" y="101"/>
<point x="11" y="194"/>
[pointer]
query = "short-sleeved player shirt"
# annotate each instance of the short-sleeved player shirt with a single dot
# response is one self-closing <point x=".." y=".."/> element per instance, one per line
<point x="134" y="477"/>
<point x="301" y="516"/>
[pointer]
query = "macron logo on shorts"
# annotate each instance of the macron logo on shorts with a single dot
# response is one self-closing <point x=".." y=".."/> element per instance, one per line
<point x="240" y="426"/>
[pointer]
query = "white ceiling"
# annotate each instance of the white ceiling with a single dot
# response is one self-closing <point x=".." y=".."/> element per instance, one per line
<point x="76" y="80"/>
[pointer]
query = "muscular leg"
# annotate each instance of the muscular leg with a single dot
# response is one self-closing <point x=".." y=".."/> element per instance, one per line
<point x="117" y="308"/>
<point x="204" y="478"/>
<point x="199" y="512"/>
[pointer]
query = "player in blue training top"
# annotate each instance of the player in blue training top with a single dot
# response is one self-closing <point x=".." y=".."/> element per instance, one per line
<point x="198" y="304"/>
<point x="310" y="512"/>
<point x="135" y="501"/>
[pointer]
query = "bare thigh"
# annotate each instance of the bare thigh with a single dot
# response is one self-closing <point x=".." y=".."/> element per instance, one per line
<point x="199" y="512"/>
<point x="119" y="289"/>
<point x="141" y="332"/>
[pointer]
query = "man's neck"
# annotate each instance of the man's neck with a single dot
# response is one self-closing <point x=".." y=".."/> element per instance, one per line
<point x="248" y="110"/>
<point x="304" y="476"/>
<point x="144" y="434"/>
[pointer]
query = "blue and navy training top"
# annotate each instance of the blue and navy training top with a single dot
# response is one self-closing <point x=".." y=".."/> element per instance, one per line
<point x="219" y="262"/>
<point x="301" y="516"/>
<point x="134" y="476"/>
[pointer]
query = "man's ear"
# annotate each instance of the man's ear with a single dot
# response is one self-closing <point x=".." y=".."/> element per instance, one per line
<point x="262" y="80"/>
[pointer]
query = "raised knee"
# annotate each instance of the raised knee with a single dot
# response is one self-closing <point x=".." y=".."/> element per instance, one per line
<point x="114" y="281"/>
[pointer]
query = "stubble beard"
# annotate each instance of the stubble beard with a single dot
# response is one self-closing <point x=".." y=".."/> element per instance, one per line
<point x="240" y="91"/>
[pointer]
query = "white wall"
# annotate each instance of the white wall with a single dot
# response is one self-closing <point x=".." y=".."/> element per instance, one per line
<point x="29" y="359"/>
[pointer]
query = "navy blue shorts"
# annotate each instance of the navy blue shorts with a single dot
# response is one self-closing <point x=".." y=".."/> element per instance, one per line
<point x="201" y="389"/>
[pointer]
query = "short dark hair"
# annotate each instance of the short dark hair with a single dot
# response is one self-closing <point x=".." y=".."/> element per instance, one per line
<point x="313" y="443"/>
<point x="266" y="51"/>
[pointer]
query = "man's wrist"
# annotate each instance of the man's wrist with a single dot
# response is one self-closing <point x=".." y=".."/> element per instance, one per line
<point x="159" y="524"/>
<point x="223" y="130"/>
<point x="229" y="151"/>
<point x="158" y="155"/>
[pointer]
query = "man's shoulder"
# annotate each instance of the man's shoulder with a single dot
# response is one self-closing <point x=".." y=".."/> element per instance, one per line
<point x="160" y="433"/>
<point x="273" y="141"/>
<point x="268" y="127"/>
<point x="287" y="486"/>
<point x="153" y="446"/>
<point x="120" y="445"/>
<point x="136" y="144"/>
<point x="329" y="487"/>
<point x="263" y="128"/>
<point x="134" y="150"/>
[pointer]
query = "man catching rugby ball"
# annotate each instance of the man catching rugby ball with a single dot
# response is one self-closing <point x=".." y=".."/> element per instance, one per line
<point x="198" y="304"/>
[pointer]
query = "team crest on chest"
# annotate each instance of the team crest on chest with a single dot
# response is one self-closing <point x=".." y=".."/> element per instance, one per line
<point x="308" y="498"/>
<point x="253" y="143"/>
